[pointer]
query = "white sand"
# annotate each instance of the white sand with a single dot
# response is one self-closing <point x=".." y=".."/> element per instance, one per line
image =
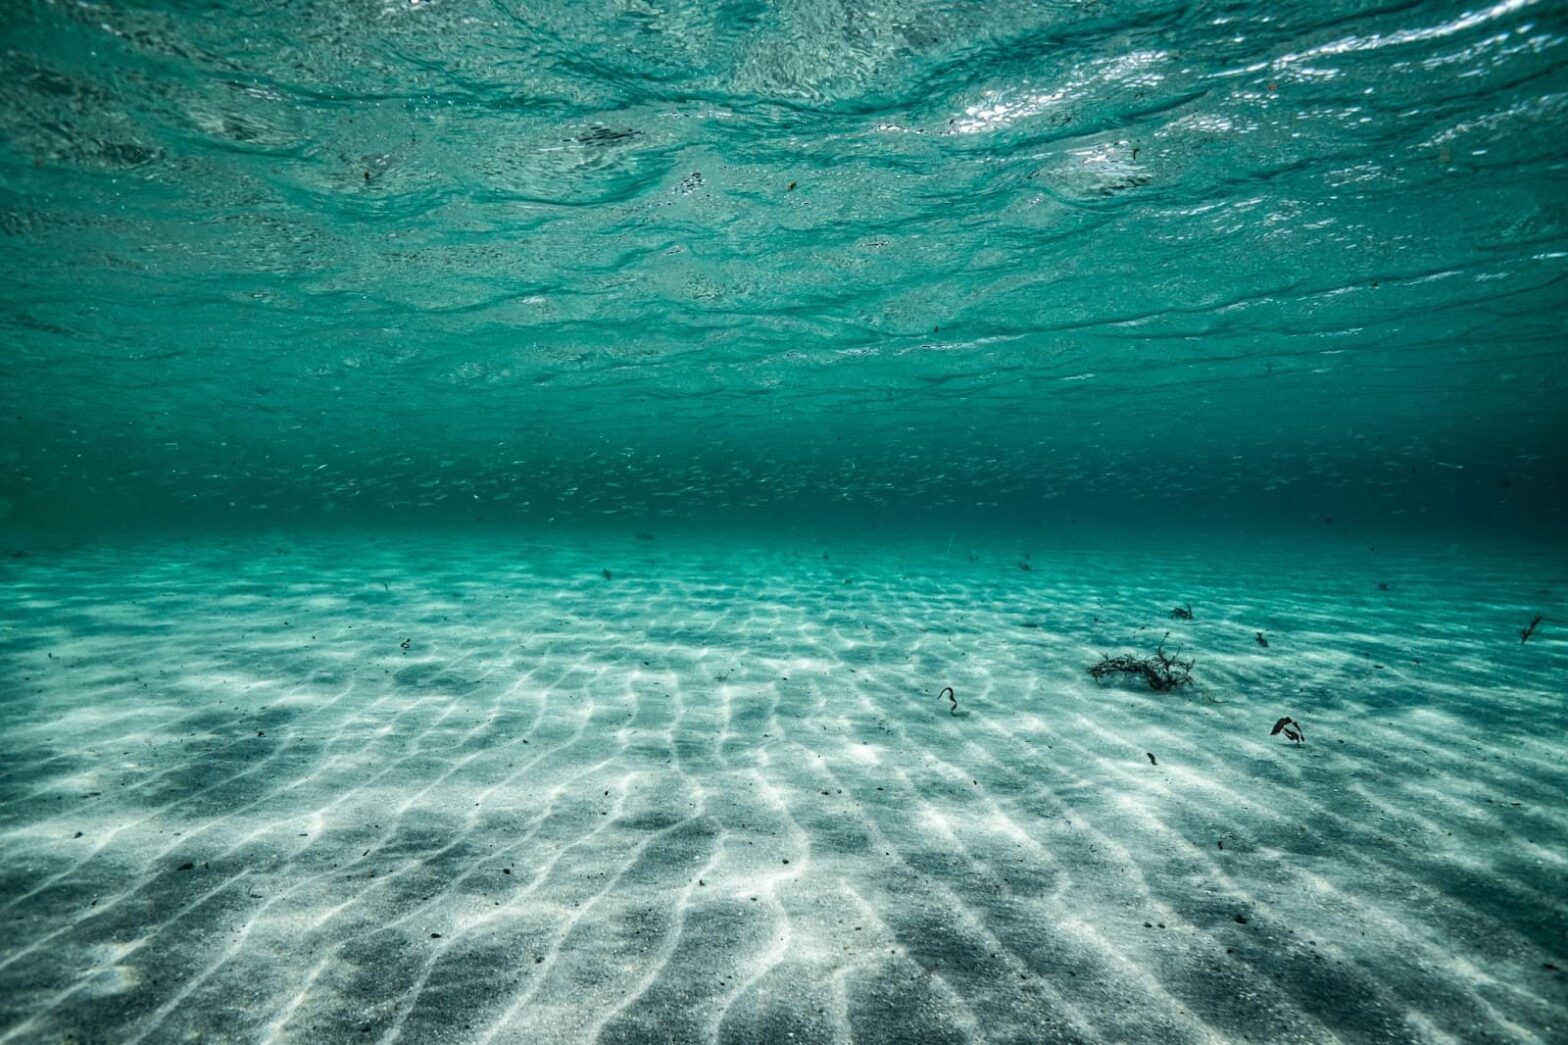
<point x="732" y="806"/>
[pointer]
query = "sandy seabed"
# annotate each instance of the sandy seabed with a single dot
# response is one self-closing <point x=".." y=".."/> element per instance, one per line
<point x="470" y="789"/>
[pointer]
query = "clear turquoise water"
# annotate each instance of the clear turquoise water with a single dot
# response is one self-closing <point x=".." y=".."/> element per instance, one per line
<point x="492" y="496"/>
<point x="1090" y="260"/>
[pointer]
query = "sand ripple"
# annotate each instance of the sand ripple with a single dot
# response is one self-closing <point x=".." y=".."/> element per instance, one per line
<point x="473" y="791"/>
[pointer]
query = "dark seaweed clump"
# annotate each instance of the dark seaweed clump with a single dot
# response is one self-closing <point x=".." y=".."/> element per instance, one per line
<point x="1162" y="671"/>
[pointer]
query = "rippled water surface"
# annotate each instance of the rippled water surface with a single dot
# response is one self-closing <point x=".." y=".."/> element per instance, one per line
<point x="573" y="258"/>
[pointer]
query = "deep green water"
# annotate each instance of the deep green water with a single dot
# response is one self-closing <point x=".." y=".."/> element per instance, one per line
<point x="983" y="264"/>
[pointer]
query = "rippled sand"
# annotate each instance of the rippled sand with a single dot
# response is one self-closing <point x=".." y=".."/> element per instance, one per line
<point x="474" y="790"/>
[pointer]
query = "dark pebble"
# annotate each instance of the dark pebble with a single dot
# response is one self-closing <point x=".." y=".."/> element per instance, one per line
<point x="1241" y="919"/>
<point x="187" y="866"/>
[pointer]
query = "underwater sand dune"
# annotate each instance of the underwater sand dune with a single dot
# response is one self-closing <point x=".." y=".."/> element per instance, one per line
<point x="474" y="790"/>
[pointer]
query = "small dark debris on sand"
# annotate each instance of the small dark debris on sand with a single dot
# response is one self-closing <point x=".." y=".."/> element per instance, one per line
<point x="947" y="691"/>
<point x="1163" y="672"/>
<point x="1182" y="612"/>
<point x="1025" y="566"/>
<point x="1292" y="730"/>
<point x="1524" y="634"/>
<point x="607" y="574"/>
<point x="1262" y="641"/>
<point x="186" y="866"/>
<point x="1152" y="761"/>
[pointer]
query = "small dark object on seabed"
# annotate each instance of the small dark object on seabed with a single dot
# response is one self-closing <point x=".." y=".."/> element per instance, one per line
<point x="1152" y="762"/>
<point x="1162" y="671"/>
<point x="947" y="691"/>
<point x="1524" y="636"/>
<point x="1291" y="728"/>
<point x="1263" y="641"/>
<point x="1182" y="612"/>
<point x="606" y="574"/>
<point x="1024" y="566"/>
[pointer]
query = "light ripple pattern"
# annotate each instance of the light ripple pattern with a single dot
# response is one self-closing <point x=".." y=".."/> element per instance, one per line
<point x="473" y="789"/>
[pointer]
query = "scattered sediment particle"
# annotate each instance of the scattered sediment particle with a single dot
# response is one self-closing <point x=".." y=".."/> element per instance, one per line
<point x="1182" y="612"/>
<point x="1152" y="761"/>
<point x="1524" y="635"/>
<point x="1262" y="641"/>
<point x="1291" y="728"/>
